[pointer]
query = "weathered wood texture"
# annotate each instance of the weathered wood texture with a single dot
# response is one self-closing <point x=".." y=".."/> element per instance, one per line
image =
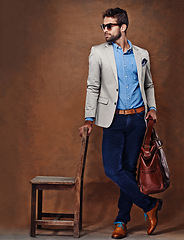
<point x="41" y="183"/>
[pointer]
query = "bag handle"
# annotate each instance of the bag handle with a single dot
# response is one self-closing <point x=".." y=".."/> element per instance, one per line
<point x="148" y="133"/>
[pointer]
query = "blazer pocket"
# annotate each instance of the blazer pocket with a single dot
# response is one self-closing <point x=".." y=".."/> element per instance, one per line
<point x="103" y="100"/>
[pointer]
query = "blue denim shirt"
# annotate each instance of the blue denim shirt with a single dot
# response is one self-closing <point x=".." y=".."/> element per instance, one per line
<point x="129" y="91"/>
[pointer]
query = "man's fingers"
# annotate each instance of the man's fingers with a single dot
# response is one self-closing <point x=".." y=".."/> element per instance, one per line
<point x="89" y="130"/>
<point x="81" y="130"/>
<point x="88" y="124"/>
<point x="153" y="115"/>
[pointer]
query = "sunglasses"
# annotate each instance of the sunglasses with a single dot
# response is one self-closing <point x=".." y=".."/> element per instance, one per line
<point x="108" y="25"/>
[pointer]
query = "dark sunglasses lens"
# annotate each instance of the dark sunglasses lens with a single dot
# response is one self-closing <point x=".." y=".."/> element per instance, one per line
<point x="109" y="26"/>
<point x="103" y="26"/>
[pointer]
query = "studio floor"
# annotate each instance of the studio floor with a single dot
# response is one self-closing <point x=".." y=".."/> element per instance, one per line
<point x="162" y="232"/>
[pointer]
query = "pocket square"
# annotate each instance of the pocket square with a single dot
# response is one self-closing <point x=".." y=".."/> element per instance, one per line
<point x="144" y="61"/>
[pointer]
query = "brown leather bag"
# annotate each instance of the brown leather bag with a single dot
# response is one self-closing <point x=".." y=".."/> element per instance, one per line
<point x="153" y="171"/>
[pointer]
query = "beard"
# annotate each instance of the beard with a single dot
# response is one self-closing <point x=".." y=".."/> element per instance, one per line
<point x="112" y="38"/>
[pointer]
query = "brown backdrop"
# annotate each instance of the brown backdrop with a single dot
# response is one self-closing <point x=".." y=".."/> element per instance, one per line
<point x="44" y="65"/>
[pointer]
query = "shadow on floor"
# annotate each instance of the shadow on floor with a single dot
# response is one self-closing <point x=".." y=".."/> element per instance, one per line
<point x="170" y="229"/>
<point x="137" y="228"/>
<point x="97" y="228"/>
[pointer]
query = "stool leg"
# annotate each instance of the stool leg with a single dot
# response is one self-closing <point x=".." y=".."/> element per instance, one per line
<point x="40" y="195"/>
<point x="81" y="200"/>
<point x="33" y="211"/>
<point x="77" y="213"/>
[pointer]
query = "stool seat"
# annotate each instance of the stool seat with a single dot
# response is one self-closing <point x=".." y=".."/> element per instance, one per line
<point x="53" y="180"/>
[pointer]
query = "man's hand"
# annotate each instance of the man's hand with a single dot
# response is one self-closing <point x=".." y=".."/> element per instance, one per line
<point x="87" y="124"/>
<point x="152" y="113"/>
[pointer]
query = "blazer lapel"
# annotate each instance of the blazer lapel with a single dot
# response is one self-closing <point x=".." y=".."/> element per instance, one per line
<point x="138" y="59"/>
<point x="111" y="58"/>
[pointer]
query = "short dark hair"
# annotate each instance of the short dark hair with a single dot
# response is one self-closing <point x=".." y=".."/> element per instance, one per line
<point x="120" y="14"/>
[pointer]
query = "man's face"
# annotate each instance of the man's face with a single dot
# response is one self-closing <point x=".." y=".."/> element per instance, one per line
<point x="114" y="33"/>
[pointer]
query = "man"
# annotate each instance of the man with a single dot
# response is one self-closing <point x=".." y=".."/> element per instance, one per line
<point x="120" y="96"/>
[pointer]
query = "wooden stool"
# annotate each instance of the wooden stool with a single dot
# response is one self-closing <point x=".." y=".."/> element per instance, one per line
<point x="41" y="183"/>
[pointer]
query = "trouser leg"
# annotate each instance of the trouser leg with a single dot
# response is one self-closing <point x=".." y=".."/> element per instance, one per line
<point x="124" y="205"/>
<point x="120" y="150"/>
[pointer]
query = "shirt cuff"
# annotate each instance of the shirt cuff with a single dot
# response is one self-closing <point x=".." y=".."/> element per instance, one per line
<point x="89" y="119"/>
<point x="153" y="108"/>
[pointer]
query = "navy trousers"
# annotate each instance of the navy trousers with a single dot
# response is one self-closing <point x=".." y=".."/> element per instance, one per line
<point x="120" y="151"/>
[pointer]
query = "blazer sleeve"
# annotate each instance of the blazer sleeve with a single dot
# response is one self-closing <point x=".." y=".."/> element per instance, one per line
<point x="93" y="84"/>
<point x="148" y="86"/>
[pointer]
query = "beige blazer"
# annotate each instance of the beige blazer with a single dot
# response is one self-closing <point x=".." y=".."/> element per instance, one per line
<point x="102" y="83"/>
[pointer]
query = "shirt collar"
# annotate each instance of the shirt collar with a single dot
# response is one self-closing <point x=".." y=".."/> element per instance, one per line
<point x="116" y="46"/>
<point x="130" y="45"/>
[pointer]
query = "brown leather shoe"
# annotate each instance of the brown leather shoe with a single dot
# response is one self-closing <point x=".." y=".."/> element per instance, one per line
<point x="153" y="216"/>
<point x="120" y="231"/>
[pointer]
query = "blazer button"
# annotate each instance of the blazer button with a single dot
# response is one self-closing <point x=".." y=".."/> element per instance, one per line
<point x="117" y="89"/>
<point x="115" y="103"/>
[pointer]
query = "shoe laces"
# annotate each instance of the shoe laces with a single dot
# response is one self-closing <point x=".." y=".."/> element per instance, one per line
<point x="145" y="216"/>
<point x="120" y="224"/>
